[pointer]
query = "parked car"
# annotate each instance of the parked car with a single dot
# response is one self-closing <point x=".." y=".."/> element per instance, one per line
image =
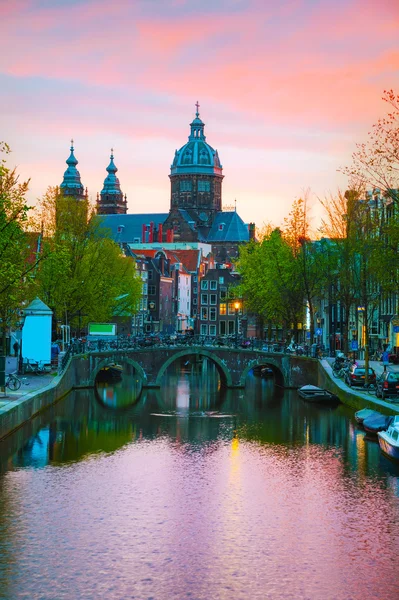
<point x="388" y="385"/>
<point x="357" y="375"/>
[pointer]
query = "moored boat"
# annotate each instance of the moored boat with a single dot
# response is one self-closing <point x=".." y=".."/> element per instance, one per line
<point x="362" y="414"/>
<point x="312" y="393"/>
<point x="375" y="423"/>
<point x="389" y="439"/>
<point x="111" y="372"/>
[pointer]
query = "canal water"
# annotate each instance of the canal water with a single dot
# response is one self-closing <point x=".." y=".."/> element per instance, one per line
<point x="196" y="492"/>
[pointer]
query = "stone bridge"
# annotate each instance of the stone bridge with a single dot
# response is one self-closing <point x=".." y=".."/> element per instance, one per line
<point x="233" y="364"/>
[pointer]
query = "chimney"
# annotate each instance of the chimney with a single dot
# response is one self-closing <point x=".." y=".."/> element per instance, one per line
<point x="151" y="234"/>
<point x="251" y="229"/>
<point x="160" y="233"/>
<point x="143" y="234"/>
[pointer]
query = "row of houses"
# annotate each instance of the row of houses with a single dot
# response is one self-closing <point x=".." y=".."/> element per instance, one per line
<point x="183" y="289"/>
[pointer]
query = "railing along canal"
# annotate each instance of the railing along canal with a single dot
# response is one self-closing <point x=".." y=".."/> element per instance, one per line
<point x="180" y="341"/>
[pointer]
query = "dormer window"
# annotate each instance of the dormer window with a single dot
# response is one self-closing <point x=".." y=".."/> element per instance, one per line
<point x="221" y="226"/>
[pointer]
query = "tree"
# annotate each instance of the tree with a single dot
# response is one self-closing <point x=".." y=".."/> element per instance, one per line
<point x="269" y="281"/>
<point x="312" y="258"/>
<point x="86" y="277"/>
<point x="16" y="259"/>
<point x="375" y="163"/>
<point x="358" y="231"/>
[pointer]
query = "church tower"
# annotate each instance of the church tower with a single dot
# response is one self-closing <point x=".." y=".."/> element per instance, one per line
<point x="196" y="178"/>
<point x="111" y="200"/>
<point x="71" y="184"/>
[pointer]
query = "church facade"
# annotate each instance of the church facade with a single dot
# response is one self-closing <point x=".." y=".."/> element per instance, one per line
<point x="195" y="213"/>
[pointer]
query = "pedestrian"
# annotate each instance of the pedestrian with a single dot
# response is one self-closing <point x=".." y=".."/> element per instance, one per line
<point x="16" y="348"/>
<point x="385" y="359"/>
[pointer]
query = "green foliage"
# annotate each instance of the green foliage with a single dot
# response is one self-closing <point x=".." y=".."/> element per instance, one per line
<point x="16" y="270"/>
<point x="86" y="276"/>
<point x="269" y="280"/>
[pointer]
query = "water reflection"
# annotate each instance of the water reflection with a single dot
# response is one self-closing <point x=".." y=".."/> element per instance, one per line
<point x="196" y="490"/>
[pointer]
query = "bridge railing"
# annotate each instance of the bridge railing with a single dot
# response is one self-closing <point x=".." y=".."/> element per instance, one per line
<point x="182" y="341"/>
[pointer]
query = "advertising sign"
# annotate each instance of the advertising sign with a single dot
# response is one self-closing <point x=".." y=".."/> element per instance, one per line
<point x="102" y="329"/>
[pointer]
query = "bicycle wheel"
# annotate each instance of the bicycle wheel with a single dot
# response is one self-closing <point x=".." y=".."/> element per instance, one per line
<point x="13" y="383"/>
<point x="337" y="372"/>
<point x="372" y="389"/>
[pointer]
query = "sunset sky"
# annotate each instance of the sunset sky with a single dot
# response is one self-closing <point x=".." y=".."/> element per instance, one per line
<point x="286" y="89"/>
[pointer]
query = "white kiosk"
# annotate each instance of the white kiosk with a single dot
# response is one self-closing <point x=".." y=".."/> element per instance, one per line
<point x="36" y="333"/>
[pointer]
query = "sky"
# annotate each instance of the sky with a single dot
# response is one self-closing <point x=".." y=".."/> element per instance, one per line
<point x="286" y="89"/>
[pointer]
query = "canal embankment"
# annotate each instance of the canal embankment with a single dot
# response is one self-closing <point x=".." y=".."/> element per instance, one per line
<point x="36" y="393"/>
<point x="355" y="397"/>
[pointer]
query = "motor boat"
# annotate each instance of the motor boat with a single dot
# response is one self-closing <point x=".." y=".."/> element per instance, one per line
<point x="375" y="423"/>
<point x="389" y="439"/>
<point x="312" y="393"/>
<point x="362" y="414"/>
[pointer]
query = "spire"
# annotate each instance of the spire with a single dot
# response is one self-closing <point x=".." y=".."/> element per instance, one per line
<point x="71" y="184"/>
<point x="111" y="199"/>
<point x="197" y="127"/>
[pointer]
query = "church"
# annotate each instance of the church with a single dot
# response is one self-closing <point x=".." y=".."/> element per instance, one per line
<point x="195" y="213"/>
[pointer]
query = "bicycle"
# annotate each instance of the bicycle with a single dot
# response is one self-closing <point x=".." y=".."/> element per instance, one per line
<point x="371" y="388"/>
<point x="13" y="382"/>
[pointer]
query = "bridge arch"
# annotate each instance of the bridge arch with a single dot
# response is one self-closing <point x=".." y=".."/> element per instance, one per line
<point x="223" y="370"/>
<point x="263" y="361"/>
<point x="112" y="359"/>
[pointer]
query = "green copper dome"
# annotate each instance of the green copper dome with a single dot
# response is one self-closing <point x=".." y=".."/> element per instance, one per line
<point x="71" y="184"/>
<point x="197" y="156"/>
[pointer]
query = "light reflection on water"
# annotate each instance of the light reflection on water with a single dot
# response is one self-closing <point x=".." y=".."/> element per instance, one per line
<point x="196" y="492"/>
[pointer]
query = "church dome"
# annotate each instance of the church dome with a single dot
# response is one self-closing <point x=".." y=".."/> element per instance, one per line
<point x="197" y="156"/>
<point x="71" y="184"/>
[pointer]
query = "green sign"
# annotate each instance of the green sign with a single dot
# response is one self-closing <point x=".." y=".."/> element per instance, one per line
<point x="102" y="328"/>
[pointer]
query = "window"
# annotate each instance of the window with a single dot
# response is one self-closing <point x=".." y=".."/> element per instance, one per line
<point x="231" y="327"/>
<point x="232" y="310"/>
<point x="213" y="285"/>
<point x="204" y="314"/>
<point x="212" y="329"/>
<point x="204" y="285"/>
<point x="204" y="186"/>
<point x="221" y="226"/>
<point x="213" y="299"/>
<point x="195" y="278"/>
<point x="185" y="185"/>
<point x="222" y="308"/>
<point x="151" y="290"/>
<point x="204" y="329"/>
<point x="212" y="314"/>
<point x="222" y="327"/>
<point x="204" y="298"/>
<point x="195" y="301"/>
<point x="195" y="290"/>
<point x="145" y="289"/>
<point x="194" y="312"/>
<point x="149" y="274"/>
<point x="223" y="294"/>
<point x="221" y="280"/>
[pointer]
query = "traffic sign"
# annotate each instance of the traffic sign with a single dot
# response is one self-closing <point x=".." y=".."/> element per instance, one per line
<point x="319" y="331"/>
<point x="354" y="345"/>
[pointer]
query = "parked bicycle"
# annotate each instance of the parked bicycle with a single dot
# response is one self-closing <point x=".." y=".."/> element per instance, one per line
<point x="371" y="388"/>
<point x="34" y="367"/>
<point x="13" y="382"/>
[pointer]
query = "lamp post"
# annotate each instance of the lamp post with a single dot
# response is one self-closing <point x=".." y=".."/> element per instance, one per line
<point x="236" y="308"/>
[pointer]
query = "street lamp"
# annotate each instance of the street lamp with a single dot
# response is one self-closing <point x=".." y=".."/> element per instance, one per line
<point x="236" y="308"/>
